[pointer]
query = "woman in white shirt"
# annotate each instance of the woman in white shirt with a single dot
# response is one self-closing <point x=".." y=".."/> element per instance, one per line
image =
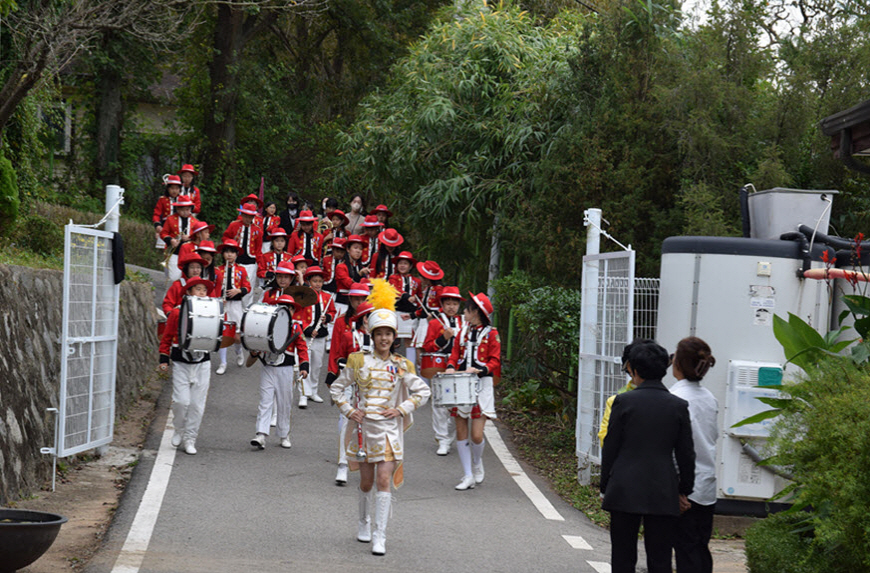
<point x="691" y="362"/>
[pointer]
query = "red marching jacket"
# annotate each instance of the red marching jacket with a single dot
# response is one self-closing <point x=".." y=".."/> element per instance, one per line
<point x="162" y="210"/>
<point x="308" y="315"/>
<point x="310" y="247"/>
<point x="406" y="284"/>
<point x="430" y="299"/>
<point x="436" y="348"/>
<point x="173" y="225"/>
<point x="174" y="295"/>
<point x="486" y="353"/>
<point x="193" y="194"/>
<point x="344" y="342"/>
<point x="239" y="280"/>
<point x="267" y="262"/>
<point x="235" y="232"/>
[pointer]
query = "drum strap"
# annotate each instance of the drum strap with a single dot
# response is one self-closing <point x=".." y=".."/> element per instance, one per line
<point x="229" y="270"/>
<point x="245" y="239"/>
<point x="183" y="223"/>
<point x="306" y="250"/>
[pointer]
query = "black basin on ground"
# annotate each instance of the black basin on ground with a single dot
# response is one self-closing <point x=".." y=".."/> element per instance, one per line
<point x="25" y="535"/>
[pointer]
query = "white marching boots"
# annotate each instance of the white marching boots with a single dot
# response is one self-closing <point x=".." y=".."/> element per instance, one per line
<point x="364" y="531"/>
<point x="383" y="499"/>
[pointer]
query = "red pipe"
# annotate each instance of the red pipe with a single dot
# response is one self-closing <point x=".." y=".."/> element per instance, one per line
<point x="824" y="274"/>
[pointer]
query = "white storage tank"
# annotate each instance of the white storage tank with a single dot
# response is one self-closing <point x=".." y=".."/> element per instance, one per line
<point x="726" y="291"/>
<point x="779" y="210"/>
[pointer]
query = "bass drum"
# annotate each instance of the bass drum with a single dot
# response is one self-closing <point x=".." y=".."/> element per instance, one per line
<point x="266" y="328"/>
<point x="200" y="324"/>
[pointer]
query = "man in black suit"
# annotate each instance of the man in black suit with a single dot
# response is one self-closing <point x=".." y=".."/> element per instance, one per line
<point x="648" y="428"/>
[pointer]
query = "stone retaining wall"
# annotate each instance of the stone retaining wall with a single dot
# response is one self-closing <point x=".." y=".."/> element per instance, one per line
<point x="30" y="331"/>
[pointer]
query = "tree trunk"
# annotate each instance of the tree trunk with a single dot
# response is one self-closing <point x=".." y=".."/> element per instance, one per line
<point x="220" y="121"/>
<point x="494" y="258"/>
<point x="110" y="121"/>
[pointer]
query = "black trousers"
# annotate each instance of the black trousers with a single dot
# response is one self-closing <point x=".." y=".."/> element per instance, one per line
<point x="659" y="531"/>
<point x="691" y="544"/>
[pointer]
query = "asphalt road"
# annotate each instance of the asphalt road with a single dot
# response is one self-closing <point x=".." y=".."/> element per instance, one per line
<point x="232" y="508"/>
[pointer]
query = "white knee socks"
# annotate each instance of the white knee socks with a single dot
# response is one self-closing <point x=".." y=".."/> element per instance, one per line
<point x="477" y="452"/>
<point x="464" y="455"/>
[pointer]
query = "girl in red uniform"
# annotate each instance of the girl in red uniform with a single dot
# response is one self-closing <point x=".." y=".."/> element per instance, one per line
<point x="191" y="266"/>
<point x="306" y="241"/>
<point x="165" y="206"/>
<point x="443" y="328"/>
<point x="408" y="288"/>
<point x="191" y="373"/>
<point x="383" y="264"/>
<point x="234" y="287"/>
<point x="371" y="228"/>
<point x="350" y="270"/>
<point x="188" y="189"/>
<point x="477" y="350"/>
<point x="269" y="261"/>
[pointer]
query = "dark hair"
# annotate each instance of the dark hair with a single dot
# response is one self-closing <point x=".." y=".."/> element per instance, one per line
<point x="382" y="253"/>
<point x="649" y="360"/>
<point x="693" y="358"/>
<point x="267" y="204"/>
<point x="331" y="202"/>
<point x="471" y="305"/>
<point x="293" y="195"/>
<point x="362" y="210"/>
<point x="627" y="350"/>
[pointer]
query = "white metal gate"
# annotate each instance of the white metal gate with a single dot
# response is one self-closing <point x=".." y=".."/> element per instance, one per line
<point x="607" y="325"/>
<point x="89" y="342"/>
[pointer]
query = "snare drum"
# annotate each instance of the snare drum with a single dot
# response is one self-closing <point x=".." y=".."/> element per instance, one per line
<point x="458" y="389"/>
<point x="229" y="335"/>
<point x="200" y="323"/>
<point x="266" y="328"/>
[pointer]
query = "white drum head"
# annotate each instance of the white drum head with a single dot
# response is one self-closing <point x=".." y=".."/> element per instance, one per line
<point x="281" y="328"/>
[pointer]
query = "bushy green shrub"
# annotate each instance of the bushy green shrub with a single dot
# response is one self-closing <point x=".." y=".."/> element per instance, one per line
<point x="9" y="201"/>
<point x="39" y="235"/>
<point x="775" y="545"/>
<point x="823" y="435"/>
<point x="541" y="376"/>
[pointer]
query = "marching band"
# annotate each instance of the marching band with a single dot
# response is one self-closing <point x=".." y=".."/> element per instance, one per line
<point x="314" y="301"/>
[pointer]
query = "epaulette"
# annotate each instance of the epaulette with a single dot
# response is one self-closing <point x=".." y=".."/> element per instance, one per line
<point x="404" y="363"/>
<point x="356" y="360"/>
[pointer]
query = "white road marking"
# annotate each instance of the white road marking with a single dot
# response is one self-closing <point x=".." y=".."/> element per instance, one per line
<point x="510" y="464"/>
<point x="599" y="566"/>
<point x="577" y="542"/>
<point x="133" y="552"/>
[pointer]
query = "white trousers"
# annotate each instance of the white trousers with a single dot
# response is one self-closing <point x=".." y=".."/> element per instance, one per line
<point x="276" y="386"/>
<point x="443" y="424"/>
<point x="189" y="392"/>
<point x="173" y="273"/>
<point x="249" y="298"/>
<point x="316" y="363"/>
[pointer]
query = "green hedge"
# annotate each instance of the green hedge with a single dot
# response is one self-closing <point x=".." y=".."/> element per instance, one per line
<point x="138" y="236"/>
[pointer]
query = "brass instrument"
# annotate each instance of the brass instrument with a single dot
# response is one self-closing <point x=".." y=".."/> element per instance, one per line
<point x="170" y="251"/>
<point x="325" y="224"/>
